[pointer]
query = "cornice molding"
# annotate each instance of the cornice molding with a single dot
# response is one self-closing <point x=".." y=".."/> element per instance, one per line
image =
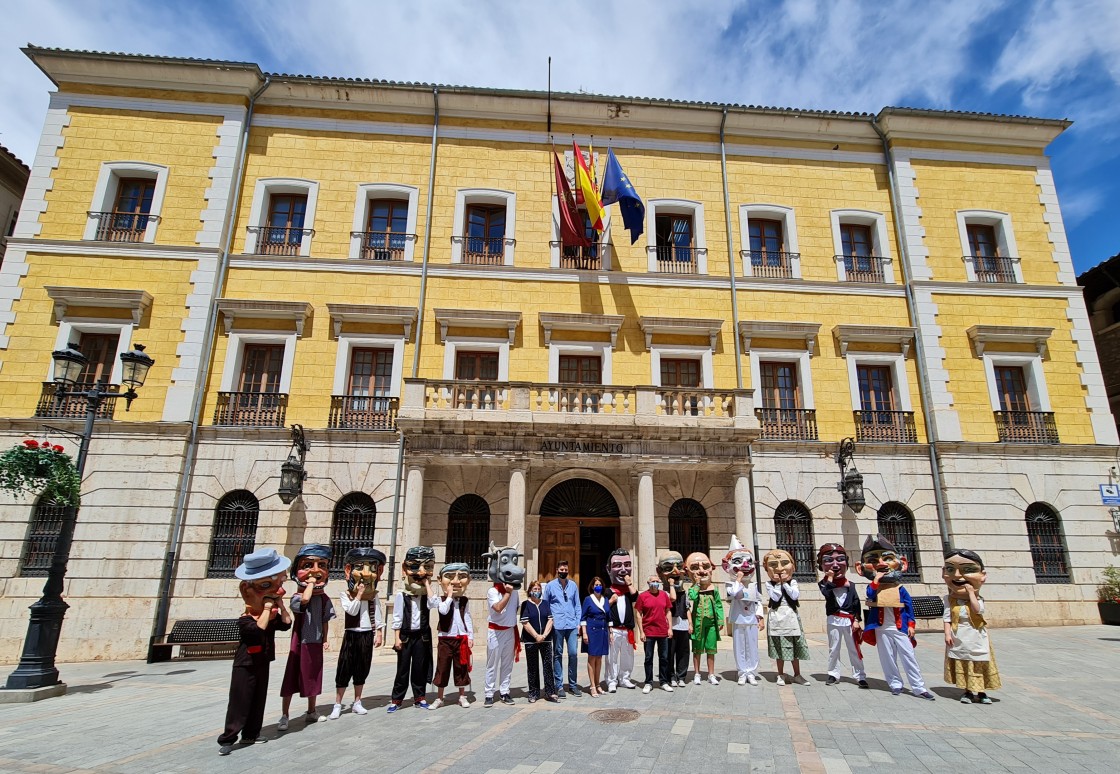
<point x="135" y="301"/>
<point x="804" y="332"/>
<point x="680" y="326"/>
<point x="599" y="323"/>
<point x="477" y="318"/>
<point x="232" y="308"/>
<point x="404" y="316"/>
<point x="111" y="249"/>
<point x="846" y="335"/>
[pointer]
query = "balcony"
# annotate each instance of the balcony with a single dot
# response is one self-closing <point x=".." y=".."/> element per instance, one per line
<point x="274" y="240"/>
<point x="675" y="259"/>
<point x="586" y="258"/>
<point x="780" y="424"/>
<point x="886" y="426"/>
<point x="1026" y="426"/>
<point x="121" y="226"/>
<point x="251" y="409"/>
<point x="359" y="412"/>
<point x="770" y="264"/>
<point x="382" y="245"/>
<point x="863" y="268"/>
<point x="53" y="406"/>
<point x="484" y="251"/>
<point x="993" y="268"/>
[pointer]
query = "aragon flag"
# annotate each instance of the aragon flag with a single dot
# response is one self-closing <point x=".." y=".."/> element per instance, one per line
<point x="590" y="197"/>
<point x="617" y="188"/>
<point x="571" y="231"/>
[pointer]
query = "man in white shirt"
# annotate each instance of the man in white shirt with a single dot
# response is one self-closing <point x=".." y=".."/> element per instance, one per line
<point x="412" y="631"/>
<point x="364" y="621"/>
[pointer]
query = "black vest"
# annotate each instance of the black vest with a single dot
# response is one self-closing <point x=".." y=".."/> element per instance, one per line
<point x="446" y="619"/>
<point x="425" y="631"/>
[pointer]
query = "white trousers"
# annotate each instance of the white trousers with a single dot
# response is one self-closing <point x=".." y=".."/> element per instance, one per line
<point x="894" y="646"/>
<point x="499" y="660"/>
<point x="744" y="638"/>
<point x="838" y="635"/>
<point x="620" y="658"/>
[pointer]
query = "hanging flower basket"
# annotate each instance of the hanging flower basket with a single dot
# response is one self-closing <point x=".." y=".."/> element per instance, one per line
<point x="40" y="469"/>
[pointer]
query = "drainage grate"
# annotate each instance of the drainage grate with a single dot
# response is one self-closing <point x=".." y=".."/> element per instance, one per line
<point x="616" y="715"/>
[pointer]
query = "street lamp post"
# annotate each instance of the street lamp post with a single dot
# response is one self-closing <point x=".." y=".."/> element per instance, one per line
<point x="36" y="664"/>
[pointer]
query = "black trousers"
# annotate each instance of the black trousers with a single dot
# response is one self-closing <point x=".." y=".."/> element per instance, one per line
<point x="414" y="665"/>
<point x="354" y="659"/>
<point x="248" y="690"/>
<point x="662" y="645"/>
<point x="680" y="646"/>
<point x="543" y="652"/>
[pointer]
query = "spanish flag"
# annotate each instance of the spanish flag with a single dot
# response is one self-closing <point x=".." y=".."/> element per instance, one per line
<point x="585" y="186"/>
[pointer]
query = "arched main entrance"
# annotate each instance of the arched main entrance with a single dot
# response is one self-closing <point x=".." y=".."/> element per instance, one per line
<point x="579" y="522"/>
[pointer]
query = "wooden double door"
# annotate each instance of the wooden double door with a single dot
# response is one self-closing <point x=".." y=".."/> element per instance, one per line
<point x="586" y="544"/>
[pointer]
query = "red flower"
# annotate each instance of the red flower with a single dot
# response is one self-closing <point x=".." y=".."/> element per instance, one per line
<point x="58" y="449"/>
<point x="31" y="444"/>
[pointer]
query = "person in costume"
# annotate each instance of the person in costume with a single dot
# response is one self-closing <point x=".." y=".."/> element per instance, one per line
<point x="653" y="607"/>
<point x="454" y="633"/>
<point x="313" y="611"/>
<point x="595" y="633"/>
<point x="843" y="613"/>
<point x="620" y="658"/>
<point x="890" y="615"/>
<point x="536" y="634"/>
<point x="706" y="617"/>
<point x="412" y="628"/>
<point x="970" y="663"/>
<point x="363" y="619"/>
<point x="786" y="637"/>
<point x="562" y="596"/>
<point x="503" y="645"/>
<point x="670" y="568"/>
<point x="744" y="617"/>
<point x="262" y="575"/>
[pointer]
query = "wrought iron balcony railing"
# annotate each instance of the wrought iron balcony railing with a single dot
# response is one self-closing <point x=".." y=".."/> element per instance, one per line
<point x="121" y="226"/>
<point x="780" y="424"/>
<point x="889" y="426"/>
<point x="695" y="402"/>
<point x="251" y="409"/>
<point x="275" y="240"/>
<point x="573" y="257"/>
<point x="54" y="406"/>
<point x="675" y="259"/>
<point x="1026" y="426"/>
<point x="360" y="412"/>
<point x="770" y="264"/>
<point x="863" y="268"/>
<point x="993" y="268"/>
<point x="486" y="251"/>
<point x="382" y="245"/>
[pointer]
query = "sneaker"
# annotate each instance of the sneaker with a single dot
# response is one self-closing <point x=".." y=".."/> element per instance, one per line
<point x="314" y="717"/>
<point x="966" y="699"/>
<point x="647" y="688"/>
<point x="696" y="679"/>
<point x="422" y="704"/>
<point x="282" y="725"/>
<point x="713" y="679"/>
<point x="742" y="679"/>
<point x="985" y="699"/>
<point x="225" y="749"/>
<point x="335" y="712"/>
<point x="612" y="687"/>
<point x="781" y="680"/>
<point x="926" y="695"/>
<point x="863" y="684"/>
<point x="831" y="680"/>
<point x="258" y="740"/>
<point x="626" y="683"/>
<point x="575" y="691"/>
<point x="393" y="707"/>
<point x="667" y="687"/>
<point x="436" y="704"/>
<point x="532" y="699"/>
<point x="507" y="699"/>
<point x="752" y="679"/>
<point x="560" y="694"/>
<point x="489" y="702"/>
<point x="896" y="691"/>
<point x="799" y="680"/>
<point x="357" y="708"/>
<point x="680" y="683"/>
<point x="464" y="701"/>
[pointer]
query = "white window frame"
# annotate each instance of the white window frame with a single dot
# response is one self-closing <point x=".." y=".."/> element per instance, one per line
<point x="235" y="356"/>
<point x="654" y="207"/>
<point x="465" y="197"/>
<point x="900" y="384"/>
<point x="880" y="242"/>
<point x="1032" y="368"/>
<point x="777" y="212"/>
<point x="367" y="192"/>
<point x="348" y="342"/>
<point x="68" y="327"/>
<point x="108" y="185"/>
<point x="800" y="357"/>
<point x="455" y="344"/>
<point x="1005" y="238"/>
<point x="606" y="255"/>
<point x="263" y="191"/>
<point x="681" y="352"/>
<point x="603" y="349"/>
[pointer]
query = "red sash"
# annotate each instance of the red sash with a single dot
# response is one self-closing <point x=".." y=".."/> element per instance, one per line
<point x="855" y="640"/>
<point x="465" y="657"/>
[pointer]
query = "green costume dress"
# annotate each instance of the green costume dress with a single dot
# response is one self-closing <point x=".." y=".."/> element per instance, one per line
<point x="707" y="619"/>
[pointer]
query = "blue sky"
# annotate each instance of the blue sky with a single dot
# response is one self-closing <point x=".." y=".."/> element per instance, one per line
<point x="1049" y="58"/>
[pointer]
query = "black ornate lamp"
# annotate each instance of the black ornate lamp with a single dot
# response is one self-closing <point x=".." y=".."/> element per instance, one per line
<point x="292" y="472"/>
<point x="68" y="365"/>
<point x="850" y="485"/>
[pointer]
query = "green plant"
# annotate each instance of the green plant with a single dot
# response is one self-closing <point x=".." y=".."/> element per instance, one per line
<point x="1108" y="590"/>
<point x="40" y="468"/>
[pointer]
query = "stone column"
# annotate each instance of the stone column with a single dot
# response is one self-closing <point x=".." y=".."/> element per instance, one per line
<point x="647" y="538"/>
<point x="413" y="507"/>
<point x="743" y="509"/>
<point x="515" y="525"/>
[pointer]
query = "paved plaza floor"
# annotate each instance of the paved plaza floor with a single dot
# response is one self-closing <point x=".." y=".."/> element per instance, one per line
<point x="1058" y="711"/>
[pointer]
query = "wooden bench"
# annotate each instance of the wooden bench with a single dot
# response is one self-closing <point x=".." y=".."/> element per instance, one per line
<point x="928" y="607"/>
<point x="206" y="638"/>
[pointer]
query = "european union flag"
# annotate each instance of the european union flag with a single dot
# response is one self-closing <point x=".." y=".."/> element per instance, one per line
<point x="617" y="188"/>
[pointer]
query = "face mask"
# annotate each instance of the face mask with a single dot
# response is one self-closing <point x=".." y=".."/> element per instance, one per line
<point x="597" y="589"/>
<point x="655" y="587"/>
<point x="563" y="573"/>
<point x="535" y="594"/>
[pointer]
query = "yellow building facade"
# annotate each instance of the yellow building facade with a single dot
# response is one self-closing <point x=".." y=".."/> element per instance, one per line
<point x="381" y="264"/>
